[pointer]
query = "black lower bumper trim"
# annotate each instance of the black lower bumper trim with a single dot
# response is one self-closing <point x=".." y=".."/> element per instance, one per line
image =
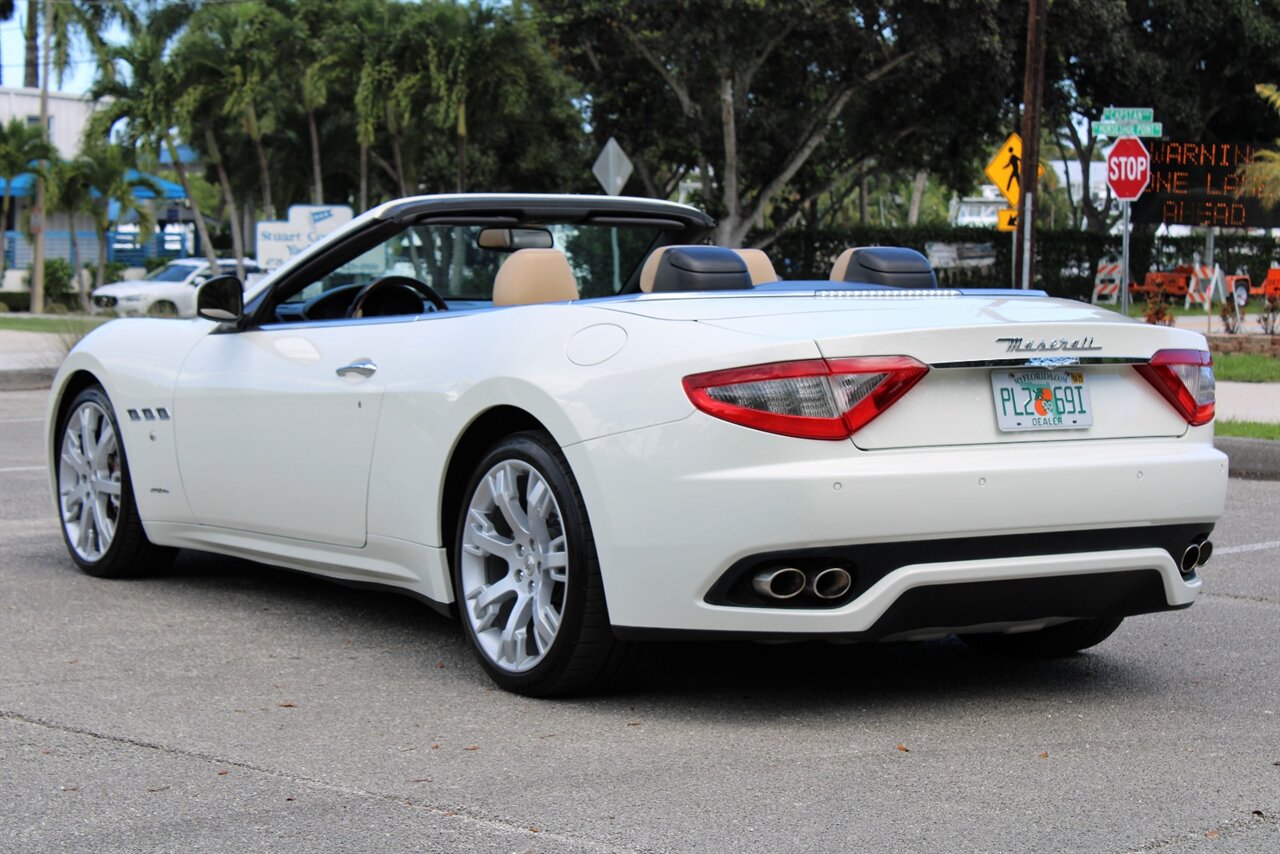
<point x="976" y="603"/>
<point x="867" y="563"/>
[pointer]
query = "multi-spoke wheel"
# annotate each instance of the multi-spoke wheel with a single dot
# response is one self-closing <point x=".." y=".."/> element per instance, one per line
<point x="526" y="575"/>
<point x="99" y="519"/>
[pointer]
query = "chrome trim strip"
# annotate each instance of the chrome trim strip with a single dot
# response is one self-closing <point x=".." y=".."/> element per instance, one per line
<point x="1084" y="361"/>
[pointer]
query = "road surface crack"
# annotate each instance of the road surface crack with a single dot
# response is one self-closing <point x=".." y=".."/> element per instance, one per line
<point x="487" y="822"/>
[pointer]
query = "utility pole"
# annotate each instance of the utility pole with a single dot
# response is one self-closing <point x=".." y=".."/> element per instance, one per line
<point x="1032" y="101"/>
<point x="37" y="207"/>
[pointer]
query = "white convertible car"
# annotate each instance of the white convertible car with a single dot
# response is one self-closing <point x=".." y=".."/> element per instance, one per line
<point x="563" y="420"/>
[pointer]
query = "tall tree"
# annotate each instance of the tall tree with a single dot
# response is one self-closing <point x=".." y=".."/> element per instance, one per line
<point x="107" y="169"/>
<point x="755" y="90"/>
<point x="70" y="193"/>
<point x="22" y="146"/>
<point x="143" y="99"/>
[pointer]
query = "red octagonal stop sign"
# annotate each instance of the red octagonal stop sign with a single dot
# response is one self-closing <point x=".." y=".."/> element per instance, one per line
<point x="1128" y="168"/>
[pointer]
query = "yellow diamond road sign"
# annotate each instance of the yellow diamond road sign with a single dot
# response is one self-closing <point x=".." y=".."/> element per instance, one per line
<point x="1005" y="169"/>
<point x="1007" y="219"/>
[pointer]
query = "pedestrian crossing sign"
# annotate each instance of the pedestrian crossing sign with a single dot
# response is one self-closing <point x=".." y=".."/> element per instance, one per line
<point x="1005" y="169"/>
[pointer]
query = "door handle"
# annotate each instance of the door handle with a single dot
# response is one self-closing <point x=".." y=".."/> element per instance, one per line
<point x="363" y="367"/>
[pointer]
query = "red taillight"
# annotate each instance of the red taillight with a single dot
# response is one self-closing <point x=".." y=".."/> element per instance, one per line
<point x="810" y="399"/>
<point x="1185" y="378"/>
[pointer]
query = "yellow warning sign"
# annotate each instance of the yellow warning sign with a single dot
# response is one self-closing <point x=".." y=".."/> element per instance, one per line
<point x="1007" y="220"/>
<point x="1005" y="170"/>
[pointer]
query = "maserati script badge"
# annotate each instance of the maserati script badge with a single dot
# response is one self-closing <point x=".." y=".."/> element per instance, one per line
<point x="1047" y="345"/>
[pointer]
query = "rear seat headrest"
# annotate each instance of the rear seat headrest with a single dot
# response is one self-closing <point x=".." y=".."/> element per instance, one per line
<point x="758" y="265"/>
<point x="884" y="265"/>
<point x="694" y="268"/>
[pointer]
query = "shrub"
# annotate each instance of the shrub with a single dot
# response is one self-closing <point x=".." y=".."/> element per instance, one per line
<point x="1157" y="311"/>
<point x="15" y="300"/>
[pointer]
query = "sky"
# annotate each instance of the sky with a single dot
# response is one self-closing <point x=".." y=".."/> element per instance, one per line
<point x="12" y="50"/>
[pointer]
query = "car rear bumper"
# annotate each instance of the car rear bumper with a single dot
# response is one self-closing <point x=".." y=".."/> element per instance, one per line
<point x="675" y="507"/>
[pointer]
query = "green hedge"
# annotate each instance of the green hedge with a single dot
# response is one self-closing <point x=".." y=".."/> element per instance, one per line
<point x="16" y="300"/>
<point x="1065" y="260"/>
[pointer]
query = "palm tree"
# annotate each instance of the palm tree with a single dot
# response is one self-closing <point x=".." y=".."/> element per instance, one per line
<point x="236" y="48"/>
<point x="1264" y="172"/>
<point x="105" y="168"/>
<point x="145" y="99"/>
<point x="21" y="146"/>
<point x="70" y="193"/>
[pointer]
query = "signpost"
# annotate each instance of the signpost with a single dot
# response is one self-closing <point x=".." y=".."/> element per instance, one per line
<point x="612" y="169"/>
<point x="1128" y="171"/>
<point x="1005" y="171"/>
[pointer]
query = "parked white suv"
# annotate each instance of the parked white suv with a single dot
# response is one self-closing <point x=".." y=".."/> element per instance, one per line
<point x="168" y="291"/>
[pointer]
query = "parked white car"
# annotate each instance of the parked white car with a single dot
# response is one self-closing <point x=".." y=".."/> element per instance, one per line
<point x="167" y="292"/>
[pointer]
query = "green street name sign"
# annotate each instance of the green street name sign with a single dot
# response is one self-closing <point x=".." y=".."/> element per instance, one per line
<point x="1128" y="114"/>
<point x="1110" y="128"/>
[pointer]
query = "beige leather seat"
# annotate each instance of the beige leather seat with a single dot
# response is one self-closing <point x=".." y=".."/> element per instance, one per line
<point x="534" y="275"/>
<point x="758" y="265"/>
<point x="841" y="267"/>
<point x="650" y="269"/>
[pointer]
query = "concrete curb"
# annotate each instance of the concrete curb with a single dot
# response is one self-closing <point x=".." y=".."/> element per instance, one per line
<point x="26" y="379"/>
<point x="1258" y="459"/>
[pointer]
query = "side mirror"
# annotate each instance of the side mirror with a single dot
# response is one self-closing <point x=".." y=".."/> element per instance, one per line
<point x="199" y="280"/>
<point x="221" y="298"/>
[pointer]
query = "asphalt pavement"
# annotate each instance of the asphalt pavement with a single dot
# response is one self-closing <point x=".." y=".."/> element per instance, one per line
<point x="226" y="706"/>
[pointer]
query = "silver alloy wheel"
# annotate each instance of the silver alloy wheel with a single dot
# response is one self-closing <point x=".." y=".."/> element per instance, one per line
<point x="89" y="481"/>
<point x="514" y="566"/>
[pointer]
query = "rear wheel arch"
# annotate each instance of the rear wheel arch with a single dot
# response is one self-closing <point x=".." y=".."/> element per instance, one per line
<point x="486" y="430"/>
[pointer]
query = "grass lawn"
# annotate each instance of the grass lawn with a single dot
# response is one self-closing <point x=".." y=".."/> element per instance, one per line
<point x="1248" y="429"/>
<point x="1246" y="368"/>
<point x="57" y="323"/>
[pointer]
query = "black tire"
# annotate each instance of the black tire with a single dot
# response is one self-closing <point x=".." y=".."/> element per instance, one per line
<point x="163" y="308"/>
<point x="129" y="552"/>
<point x="1062" y="639"/>
<point x="584" y="655"/>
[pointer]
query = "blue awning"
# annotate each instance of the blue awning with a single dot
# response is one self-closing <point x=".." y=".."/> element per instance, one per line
<point x="24" y="185"/>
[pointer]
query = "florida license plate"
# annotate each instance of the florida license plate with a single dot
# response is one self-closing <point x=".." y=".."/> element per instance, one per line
<point x="1041" y="399"/>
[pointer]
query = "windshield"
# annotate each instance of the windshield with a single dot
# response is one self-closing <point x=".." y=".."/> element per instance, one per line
<point x="171" y="273"/>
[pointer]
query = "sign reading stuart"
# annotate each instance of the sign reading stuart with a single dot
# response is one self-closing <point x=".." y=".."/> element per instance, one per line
<point x="1204" y="184"/>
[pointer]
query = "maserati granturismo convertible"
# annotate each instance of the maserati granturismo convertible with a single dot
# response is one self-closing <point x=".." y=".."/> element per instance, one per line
<point x="572" y="424"/>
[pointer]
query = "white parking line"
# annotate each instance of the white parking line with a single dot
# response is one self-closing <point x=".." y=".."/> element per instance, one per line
<point x="21" y="420"/>
<point x="1253" y="547"/>
<point x="22" y="468"/>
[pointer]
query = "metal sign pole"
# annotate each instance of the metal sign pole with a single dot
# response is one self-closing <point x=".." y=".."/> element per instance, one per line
<point x="1026" y="240"/>
<point x="1124" y="262"/>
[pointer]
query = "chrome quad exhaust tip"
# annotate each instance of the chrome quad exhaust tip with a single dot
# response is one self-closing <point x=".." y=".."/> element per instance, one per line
<point x="831" y="583"/>
<point x="785" y="582"/>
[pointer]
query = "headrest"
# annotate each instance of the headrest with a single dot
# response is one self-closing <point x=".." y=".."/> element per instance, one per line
<point x="694" y="268"/>
<point x="758" y="265"/>
<point x="884" y="265"/>
<point x="534" y="275"/>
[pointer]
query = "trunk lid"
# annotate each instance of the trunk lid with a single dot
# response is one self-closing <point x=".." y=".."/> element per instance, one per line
<point x="986" y="352"/>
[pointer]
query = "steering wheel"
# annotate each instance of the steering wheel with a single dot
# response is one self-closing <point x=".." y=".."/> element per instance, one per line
<point x="390" y="284"/>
